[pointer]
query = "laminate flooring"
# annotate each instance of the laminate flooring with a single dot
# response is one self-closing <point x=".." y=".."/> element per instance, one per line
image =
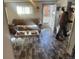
<point x="43" y="47"/>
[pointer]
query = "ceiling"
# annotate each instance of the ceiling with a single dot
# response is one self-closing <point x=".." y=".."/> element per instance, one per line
<point x="26" y="0"/>
<point x="73" y="1"/>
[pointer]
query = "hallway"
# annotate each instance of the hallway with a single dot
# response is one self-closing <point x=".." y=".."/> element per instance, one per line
<point x="32" y="26"/>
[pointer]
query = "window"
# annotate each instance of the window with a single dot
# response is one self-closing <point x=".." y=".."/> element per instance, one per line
<point x="21" y="10"/>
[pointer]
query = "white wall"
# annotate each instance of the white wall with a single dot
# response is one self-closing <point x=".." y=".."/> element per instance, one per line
<point x="7" y="48"/>
<point x="11" y="10"/>
<point x="12" y="14"/>
<point x="62" y="3"/>
<point x="71" y="41"/>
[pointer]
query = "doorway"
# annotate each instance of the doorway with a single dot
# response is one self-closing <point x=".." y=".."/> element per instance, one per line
<point x="49" y="13"/>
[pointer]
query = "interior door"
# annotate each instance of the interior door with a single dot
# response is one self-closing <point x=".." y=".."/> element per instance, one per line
<point x="49" y="13"/>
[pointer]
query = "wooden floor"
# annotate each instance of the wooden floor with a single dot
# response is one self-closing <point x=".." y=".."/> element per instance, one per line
<point x="42" y="47"/>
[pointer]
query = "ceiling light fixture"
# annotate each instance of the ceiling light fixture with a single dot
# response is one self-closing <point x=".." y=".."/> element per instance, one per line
<point x="32" y="2"/>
